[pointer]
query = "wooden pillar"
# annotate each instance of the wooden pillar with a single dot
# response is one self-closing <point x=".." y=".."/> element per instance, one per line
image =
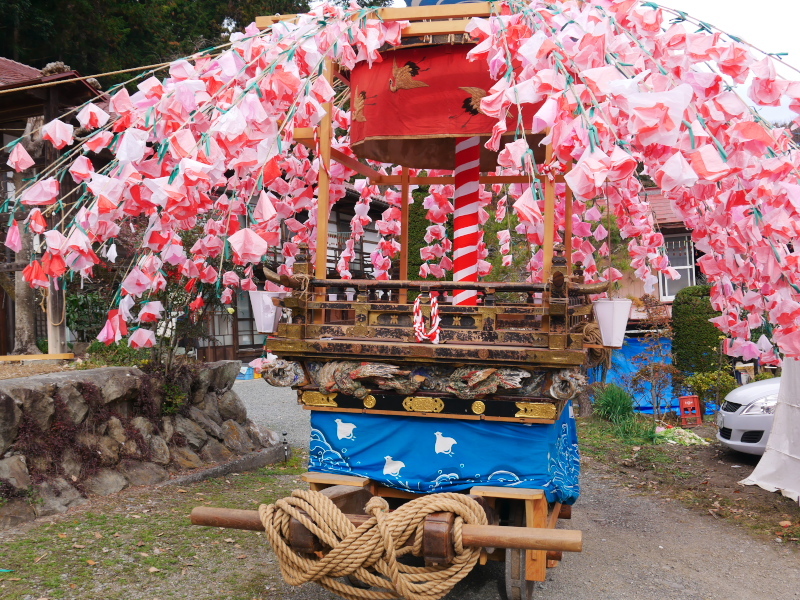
<point x="5" y="322"/>
<point x="568" y="229"/>
<point x="549" y="236"/>
<point x="405" y="191"/>
<point x="549" y="218"/>
<point x="56" y="308"/>
<point x="323" y="193"/>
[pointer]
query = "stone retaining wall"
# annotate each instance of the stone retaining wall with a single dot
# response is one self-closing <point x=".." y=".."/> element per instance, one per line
<point x="64" y="436"/>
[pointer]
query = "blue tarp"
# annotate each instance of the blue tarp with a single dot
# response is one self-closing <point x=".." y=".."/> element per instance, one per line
<point x="428" y="455"/>
<point x="623" y="367"/>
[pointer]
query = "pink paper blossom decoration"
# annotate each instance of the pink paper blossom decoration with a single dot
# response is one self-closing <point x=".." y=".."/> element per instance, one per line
<point x="58" y="133"/>
<point x="19" y="159"/>
<point x="92" y="116"/>
<point x="13" y="240"/>
<point x="151" y="312"/>
<point x="41" y="193"/>
<point x="142" y="338"/>
<point x="247" y="246"/>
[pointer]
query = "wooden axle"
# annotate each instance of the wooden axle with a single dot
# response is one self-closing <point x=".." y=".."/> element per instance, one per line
<point x="473" y="536"/>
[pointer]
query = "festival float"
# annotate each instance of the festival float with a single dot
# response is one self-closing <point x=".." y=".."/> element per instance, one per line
<point x="441" y="407"/>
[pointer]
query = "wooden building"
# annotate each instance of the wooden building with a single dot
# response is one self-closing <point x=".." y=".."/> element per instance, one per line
<point x="58" y="90"/>
<point x="235" y="336"/>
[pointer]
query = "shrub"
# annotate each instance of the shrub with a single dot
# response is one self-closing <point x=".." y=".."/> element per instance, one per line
<point x="711" y="387"/>
<point x="86" y="314"/>
<point x="116" y="355"/>
<point x="763" y="375"/>
<point x="174" y="398"/>
<point x="613" y="404"/>
<point x="695" y="341"/>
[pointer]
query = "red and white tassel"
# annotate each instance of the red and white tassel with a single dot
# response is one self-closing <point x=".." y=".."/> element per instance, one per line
<point x="432" y="335"/>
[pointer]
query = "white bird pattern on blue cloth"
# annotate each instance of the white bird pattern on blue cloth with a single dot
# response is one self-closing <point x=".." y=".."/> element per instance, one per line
<point x="444" y="445"/>
<point x="344" y="431"/>
<point x="392" y="467"/>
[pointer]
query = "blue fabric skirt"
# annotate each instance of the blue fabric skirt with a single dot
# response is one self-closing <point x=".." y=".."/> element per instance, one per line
<point x="427" y="455"/>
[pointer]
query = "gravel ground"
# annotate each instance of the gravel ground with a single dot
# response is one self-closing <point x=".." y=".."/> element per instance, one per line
<point x="635" y="546"/>
<point x="276" y="409"/>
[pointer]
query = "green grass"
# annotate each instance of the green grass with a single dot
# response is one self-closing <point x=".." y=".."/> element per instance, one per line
<point x="600" y="438"/>
<point x="630" y="443"/>
<point x="149" y="529"/>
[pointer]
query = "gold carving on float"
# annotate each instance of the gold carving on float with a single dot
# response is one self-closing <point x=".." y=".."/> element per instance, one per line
<point x="358" y="331"/>
<point x="478" y="407"/>
<point x="370" y="401"/>
<point x="536" y="410"/>
<point x="423" y="404"/>
<point x="318" y="399"/>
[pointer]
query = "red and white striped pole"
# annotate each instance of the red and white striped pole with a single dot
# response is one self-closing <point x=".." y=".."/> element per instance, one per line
<point x="467" y="232"/>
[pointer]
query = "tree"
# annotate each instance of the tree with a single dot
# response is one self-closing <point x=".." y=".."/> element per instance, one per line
<point x="417" y="224"/>
<point x="24" y="297"/>
<point x="654" y="376"/>
<point x="96" y="36"/>
<point x="25" y="304"/>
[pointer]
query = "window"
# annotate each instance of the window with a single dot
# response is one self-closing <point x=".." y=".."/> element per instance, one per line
<point x="680" y="251"/>
<point x="245" y="323"/>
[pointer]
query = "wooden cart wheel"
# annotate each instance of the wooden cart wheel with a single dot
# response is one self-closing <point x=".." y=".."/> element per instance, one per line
<point x="517" y="587"/>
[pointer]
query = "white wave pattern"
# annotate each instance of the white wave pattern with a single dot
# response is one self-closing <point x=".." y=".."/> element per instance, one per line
<point x="565" y="467"/>
<point x="323" y="456"/>
<point x="506" y="477"/>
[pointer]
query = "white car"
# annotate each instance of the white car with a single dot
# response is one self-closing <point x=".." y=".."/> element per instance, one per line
<point x="745" y="418"/>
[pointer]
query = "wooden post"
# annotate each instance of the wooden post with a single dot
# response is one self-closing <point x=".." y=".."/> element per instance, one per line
<point x="56" y="308"/>
<point x="549" y="218"/>
<point x="568" y="229"/>
<point x="549" y="235"/>
<point x="404" y="218"/>
<point x="536" y="560"/>
<point x="323" y="194"/>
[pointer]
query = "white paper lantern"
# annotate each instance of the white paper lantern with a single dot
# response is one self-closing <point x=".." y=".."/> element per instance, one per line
<point x="612" y="316"/>
<point x="265" y="313"/>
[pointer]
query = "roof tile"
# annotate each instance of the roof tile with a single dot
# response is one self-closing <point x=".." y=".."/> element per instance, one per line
<point x="661" y="207"/>
<point x="13" y="72"/>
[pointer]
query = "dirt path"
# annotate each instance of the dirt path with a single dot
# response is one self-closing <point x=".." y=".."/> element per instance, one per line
<point x="638" y="546"/>
<point x="643" y="548"/>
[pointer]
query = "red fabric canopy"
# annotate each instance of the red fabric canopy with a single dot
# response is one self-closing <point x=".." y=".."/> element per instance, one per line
<point x="410" y="108"/>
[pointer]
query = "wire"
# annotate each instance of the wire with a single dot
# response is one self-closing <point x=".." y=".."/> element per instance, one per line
<point x="84" y="77"/>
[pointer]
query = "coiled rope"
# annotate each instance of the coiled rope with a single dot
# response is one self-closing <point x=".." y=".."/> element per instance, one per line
<point x="369" y="553"/>
<point x="597" y="356"/>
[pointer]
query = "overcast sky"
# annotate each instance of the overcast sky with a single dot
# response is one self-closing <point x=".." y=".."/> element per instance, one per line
<point x="770" y="25"/>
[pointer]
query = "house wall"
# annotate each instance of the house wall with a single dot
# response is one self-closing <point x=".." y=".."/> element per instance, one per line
<point x="632" y="287"/>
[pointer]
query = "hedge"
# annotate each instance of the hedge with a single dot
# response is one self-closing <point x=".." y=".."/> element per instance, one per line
<point x="695" y="342"/>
